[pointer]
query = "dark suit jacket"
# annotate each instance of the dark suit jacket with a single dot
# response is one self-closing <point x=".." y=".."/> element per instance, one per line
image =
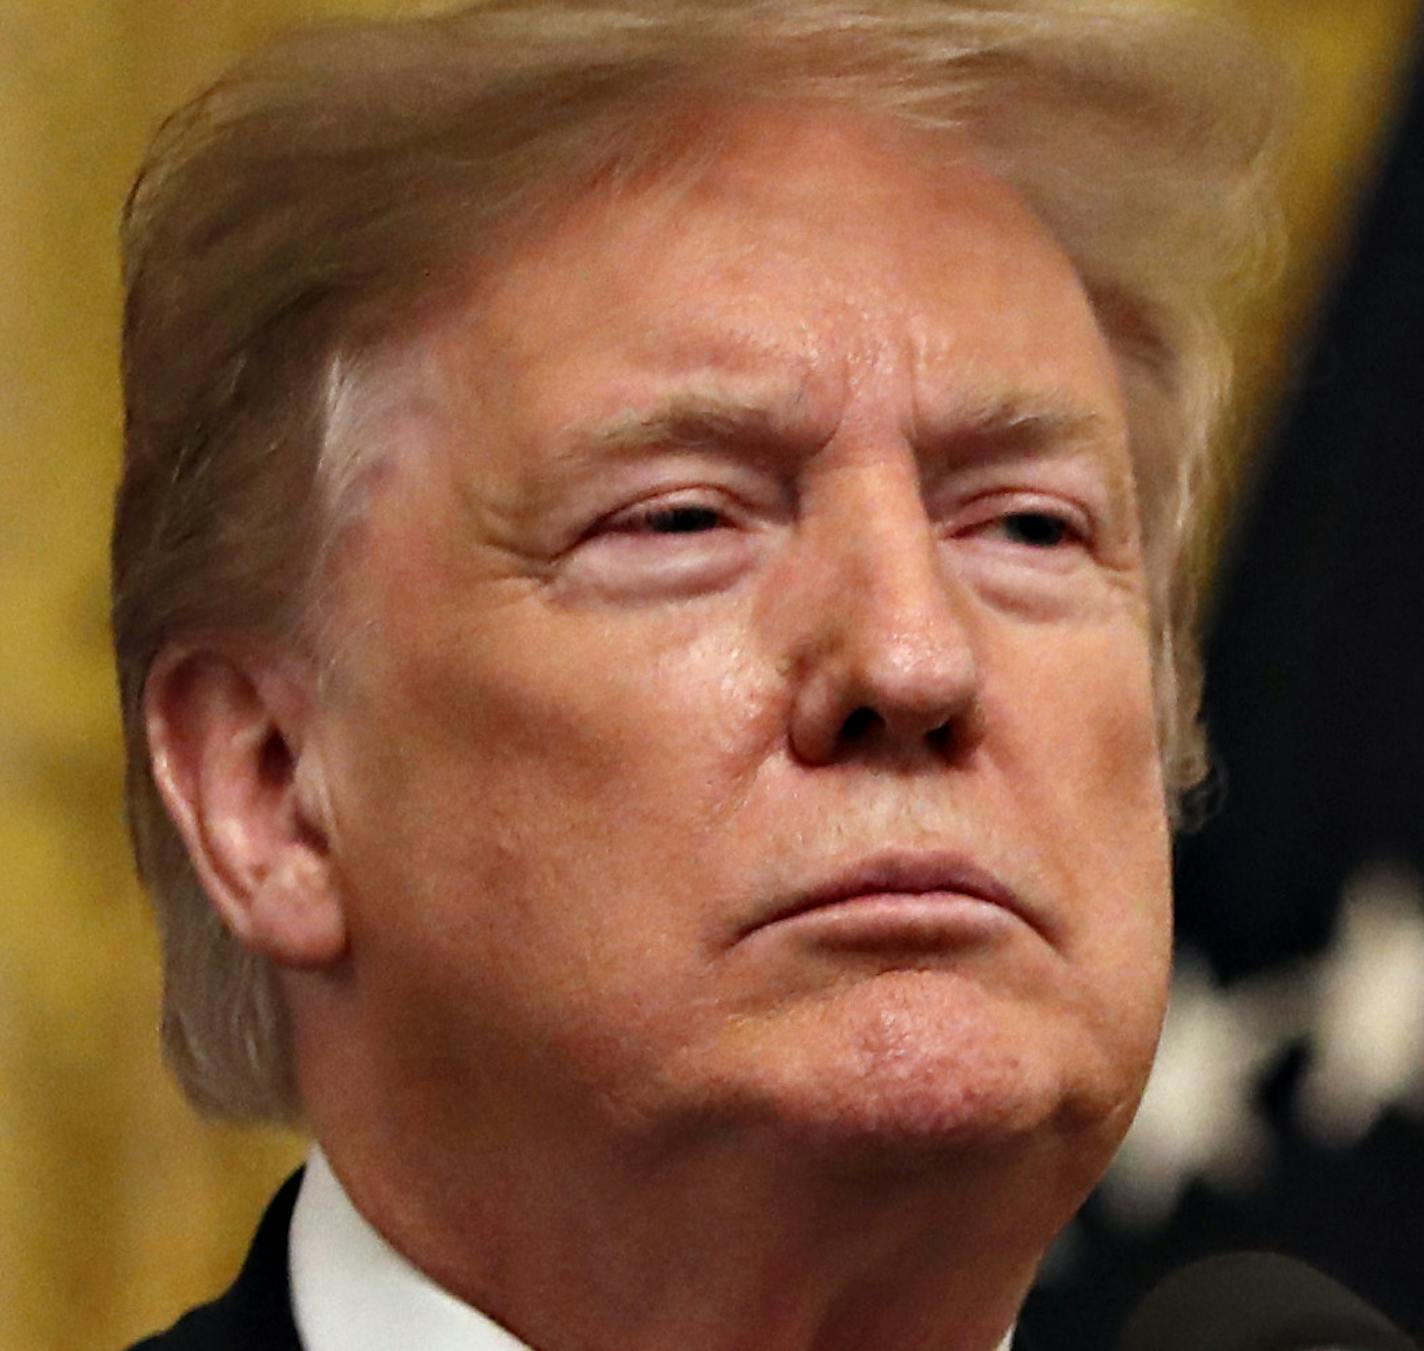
<point x="256" y="1313"/>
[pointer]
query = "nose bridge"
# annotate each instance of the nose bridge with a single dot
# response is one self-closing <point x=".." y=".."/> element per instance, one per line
<point x="899" y="615"/>
<point x="895" y="581"/>
<point x="891" y="633"/>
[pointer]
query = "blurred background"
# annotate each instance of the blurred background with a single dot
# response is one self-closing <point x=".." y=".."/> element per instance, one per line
<point x="1288" y="1110"/>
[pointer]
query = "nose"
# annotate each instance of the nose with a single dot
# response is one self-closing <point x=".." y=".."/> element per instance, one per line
<point x="888" y="663"/>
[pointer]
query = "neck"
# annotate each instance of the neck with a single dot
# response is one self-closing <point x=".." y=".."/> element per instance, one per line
<point x="748" y="1246"/>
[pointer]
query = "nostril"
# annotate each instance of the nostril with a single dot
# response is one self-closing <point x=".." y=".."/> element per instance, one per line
<point x="866" y="723"/>
<point x="860" y="724"/>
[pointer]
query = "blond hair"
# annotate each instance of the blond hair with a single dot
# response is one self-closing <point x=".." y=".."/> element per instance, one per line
<point x="291" y="220"/>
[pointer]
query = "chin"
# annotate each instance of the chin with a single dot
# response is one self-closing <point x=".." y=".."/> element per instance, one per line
<point x="892" y="1073"/>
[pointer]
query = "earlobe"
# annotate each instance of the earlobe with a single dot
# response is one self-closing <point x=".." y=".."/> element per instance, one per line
<point x="292" y="915"/>
<point x="238" y="776"/>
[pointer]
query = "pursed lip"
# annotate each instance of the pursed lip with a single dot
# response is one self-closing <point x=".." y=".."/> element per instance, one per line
<point x="898" y="873"/>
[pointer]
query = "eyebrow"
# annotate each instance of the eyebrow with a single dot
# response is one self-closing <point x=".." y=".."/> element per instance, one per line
<point x="1019" y="420"/>
<point x="1035" y="423"/>
<point x="703" y="420"/>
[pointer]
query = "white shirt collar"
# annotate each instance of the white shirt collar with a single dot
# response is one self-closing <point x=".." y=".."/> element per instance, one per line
<point x="351" y="1291"/>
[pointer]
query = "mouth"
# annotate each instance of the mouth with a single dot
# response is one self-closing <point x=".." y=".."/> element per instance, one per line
<point x="898" y="898"/>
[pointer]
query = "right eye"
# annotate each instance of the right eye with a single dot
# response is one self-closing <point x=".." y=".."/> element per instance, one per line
<point x="669" y="518"/>
<point x="683" y="543"/>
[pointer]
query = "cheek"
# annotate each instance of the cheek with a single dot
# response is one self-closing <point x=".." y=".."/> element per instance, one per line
<point x="1085" y="759"/>
<point x="553" y="760"/>
<point x="541" y="822"/>
<point x="1083" y="730"/>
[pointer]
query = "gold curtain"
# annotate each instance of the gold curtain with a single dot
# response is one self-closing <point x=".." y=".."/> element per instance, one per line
<point x="117" y="1207"/>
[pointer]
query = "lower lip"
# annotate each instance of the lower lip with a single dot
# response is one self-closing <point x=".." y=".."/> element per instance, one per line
<point x="919" y="920"/>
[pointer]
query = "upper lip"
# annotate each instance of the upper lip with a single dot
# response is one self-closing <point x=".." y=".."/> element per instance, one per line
<point x="905" y="873"/>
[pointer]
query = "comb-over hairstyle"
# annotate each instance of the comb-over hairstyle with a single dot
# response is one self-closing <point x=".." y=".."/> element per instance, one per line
<point x="293" y="220"/>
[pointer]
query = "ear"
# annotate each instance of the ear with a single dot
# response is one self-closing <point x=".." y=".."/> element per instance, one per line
<point x="246" y="791"/>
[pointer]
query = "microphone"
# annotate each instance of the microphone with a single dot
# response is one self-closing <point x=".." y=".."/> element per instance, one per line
<point x="1257" y="1301"/>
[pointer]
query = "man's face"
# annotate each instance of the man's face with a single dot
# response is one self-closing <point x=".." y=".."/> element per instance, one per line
<point x="746" y="725"/>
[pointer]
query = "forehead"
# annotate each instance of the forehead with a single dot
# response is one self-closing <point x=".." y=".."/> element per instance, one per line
<point x="812" y="237"/>
<point x="817" y="266"/>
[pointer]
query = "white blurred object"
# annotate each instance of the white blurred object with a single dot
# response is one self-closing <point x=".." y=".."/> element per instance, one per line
<point x="1368" y="1037"/>
<point x="1359" y="1010"/>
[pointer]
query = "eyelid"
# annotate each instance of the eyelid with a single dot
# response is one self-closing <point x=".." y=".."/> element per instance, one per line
<point x="687" y="499"/>
<point x="997" y="506"/>
<point x="617" y="557"/>
<point x="742" y="500"/>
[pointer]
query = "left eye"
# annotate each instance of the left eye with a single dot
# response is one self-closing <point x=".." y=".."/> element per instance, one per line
<point x="1036" y="529"/>
<point x="675" y="519"/>
<point x="668" y="518"/>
